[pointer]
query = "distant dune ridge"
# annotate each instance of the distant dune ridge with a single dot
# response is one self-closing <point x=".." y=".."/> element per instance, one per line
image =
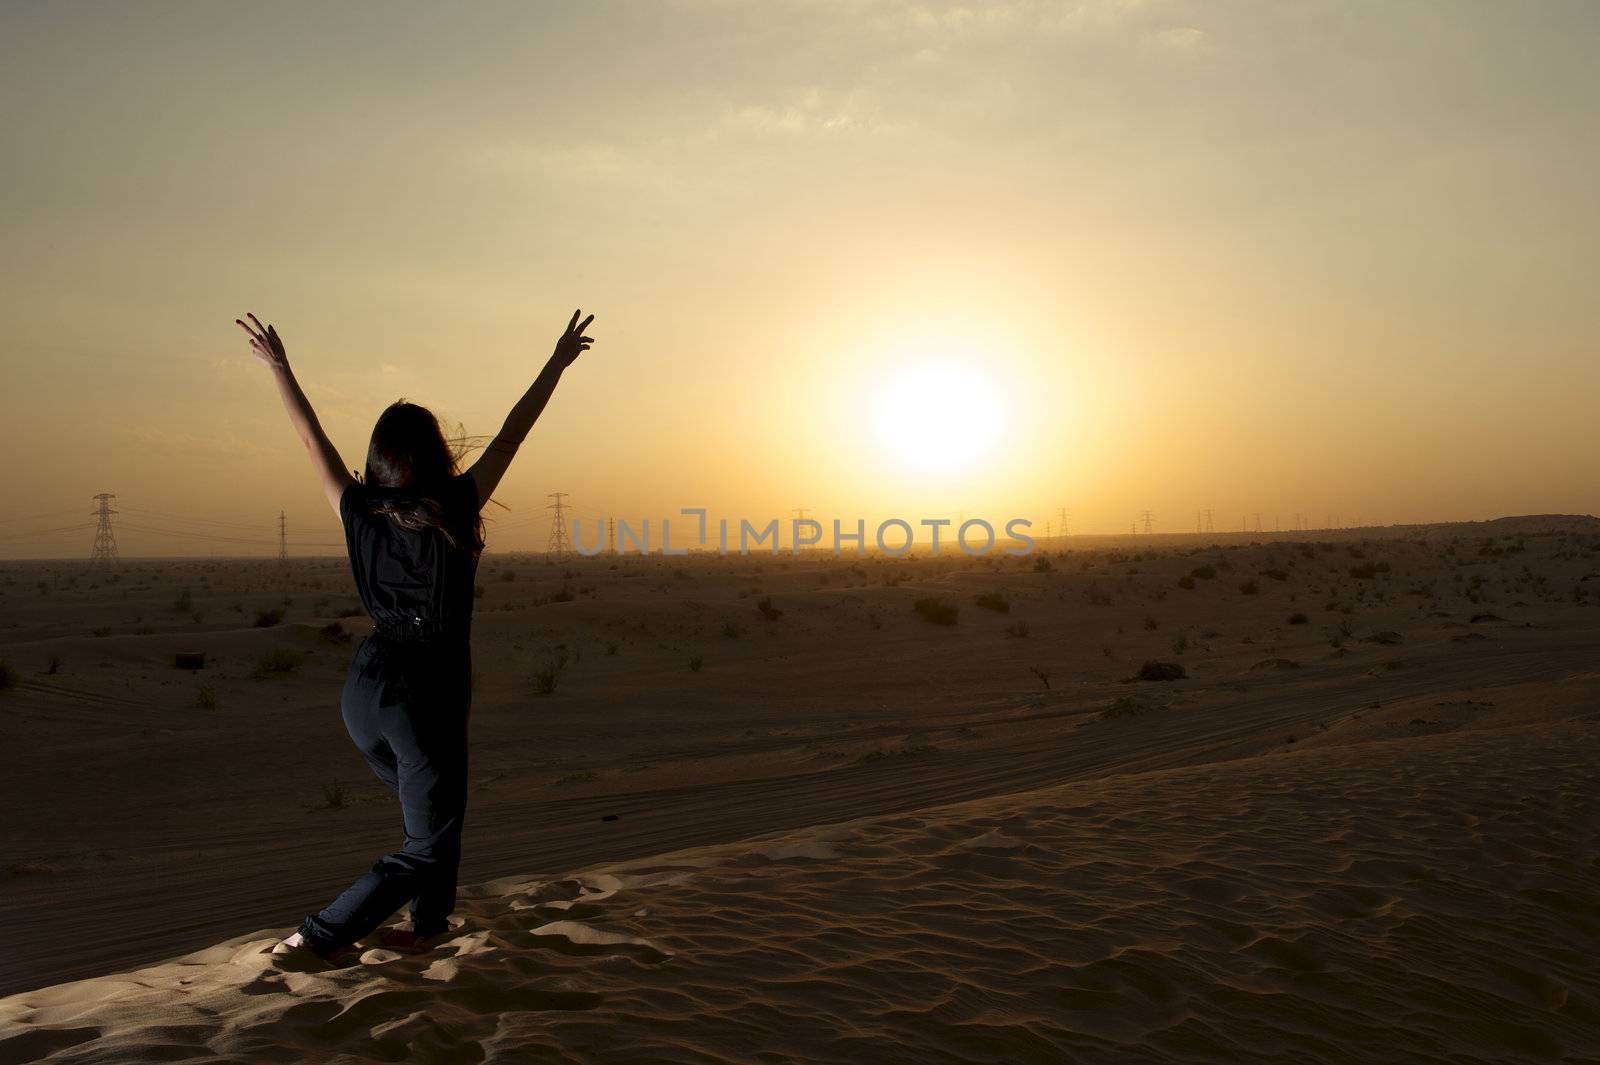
<point x="1360" y="827"/>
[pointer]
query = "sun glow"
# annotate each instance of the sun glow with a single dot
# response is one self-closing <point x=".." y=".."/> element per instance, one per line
<point x="936" y="414"/>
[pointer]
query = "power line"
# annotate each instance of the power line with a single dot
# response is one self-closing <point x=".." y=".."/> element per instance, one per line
<point x="202" y="521"/>
<point x="46" y="514"/>
<point x="45" y="532"/>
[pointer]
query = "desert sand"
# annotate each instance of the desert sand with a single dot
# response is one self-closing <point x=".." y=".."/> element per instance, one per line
<point x="757" y="809"/>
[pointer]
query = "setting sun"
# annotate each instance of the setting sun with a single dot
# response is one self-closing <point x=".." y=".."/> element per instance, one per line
<point x="936" y="415"/>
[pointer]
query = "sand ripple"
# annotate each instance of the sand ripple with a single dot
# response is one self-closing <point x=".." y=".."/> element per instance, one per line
<point x="1429" y="899"/>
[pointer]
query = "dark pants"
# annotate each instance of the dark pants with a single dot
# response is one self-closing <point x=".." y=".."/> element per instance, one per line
<point x="405" y="704"/>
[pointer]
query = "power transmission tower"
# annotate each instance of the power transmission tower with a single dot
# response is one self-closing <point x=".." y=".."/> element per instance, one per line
<point x="105" y="541"/>
<point x="283" y="537"/>
<point x="1258" y="521"/>
<point x="1209" y="526"/>
<point x="611" y="535"/>
<point x="559" y="544"/>
<point x="1197" y="527"/>
<point x="1062" y="513"/>
<point x="1147" y="520"/>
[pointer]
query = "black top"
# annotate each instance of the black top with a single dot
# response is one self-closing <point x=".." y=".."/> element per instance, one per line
<point x="404" y="575"/>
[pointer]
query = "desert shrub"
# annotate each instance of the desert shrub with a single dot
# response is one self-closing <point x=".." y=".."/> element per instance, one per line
<point x="1161" y="671"/>
<point x="544" y="681"/>
<point x="8" y="676"/>
<point x="276" y="661"/>
<point x="1018" y="631"/>
<point x="1123" y="707"/>
<point x="1204" y="573"/>
<point x="1275" y="574"/>
<point x="1186" y="582"/>
<point x="1044" y="678"/>
<point x="1041" y="565"/>
<point x="1151" y="624"/>
<point x="695" y="663"/>
<point x="935" y="612"/>
<point x="993" y="601"/>
<point x="268" y="618"/>
<point x="1298" y="618"/>
<point x="335" y="632"/>
<point x="565" y="595"/>
<point x="1250" y="587"/>
<point x="333" y="794"/>
<point x="730" y="630"/>
<point x="768" y="611"/>
<point x="206" y="697"/>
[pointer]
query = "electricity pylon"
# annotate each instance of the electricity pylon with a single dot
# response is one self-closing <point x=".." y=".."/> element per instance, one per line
<point x="559" y="544"/>
<point x="105" y="541"/>
<point x="283" y="537"/>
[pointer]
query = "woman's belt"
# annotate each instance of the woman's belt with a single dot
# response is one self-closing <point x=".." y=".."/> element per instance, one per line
<point x="418" y="627"/>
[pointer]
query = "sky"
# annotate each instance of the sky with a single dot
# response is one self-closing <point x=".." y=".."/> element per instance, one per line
<point x="1334" y="260"/>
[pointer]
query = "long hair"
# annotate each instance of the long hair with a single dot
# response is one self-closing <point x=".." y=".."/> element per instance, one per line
<point x="408" y="463"/>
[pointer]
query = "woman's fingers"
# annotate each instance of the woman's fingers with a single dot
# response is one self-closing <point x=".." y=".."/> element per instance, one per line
<point x="585" y="324"/>
<point x="574" y="319"/>
<point x="259" y="326"/>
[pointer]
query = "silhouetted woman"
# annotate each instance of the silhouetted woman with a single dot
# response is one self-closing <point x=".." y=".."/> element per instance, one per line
<point x="414" y="534"/>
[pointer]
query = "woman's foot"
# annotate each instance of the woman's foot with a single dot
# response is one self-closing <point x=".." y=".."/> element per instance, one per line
<point x="297" y="950"/>
<point x="295" y="944"/>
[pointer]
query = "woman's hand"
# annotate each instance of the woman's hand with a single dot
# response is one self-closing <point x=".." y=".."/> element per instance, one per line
<point x="572" y="343"/>
<point x="266" y="344"/>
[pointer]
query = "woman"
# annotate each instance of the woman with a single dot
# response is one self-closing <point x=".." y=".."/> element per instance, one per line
<point x="414" y="534"/>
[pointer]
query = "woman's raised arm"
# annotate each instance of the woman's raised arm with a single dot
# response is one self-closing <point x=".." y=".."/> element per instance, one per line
<point x="330" y="467"/>
<point x="492" y="464"/>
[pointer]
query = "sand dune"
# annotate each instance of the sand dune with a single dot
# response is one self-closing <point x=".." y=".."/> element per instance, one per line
<point x="1428" y="899"/>
<point x="1359" y="828"/>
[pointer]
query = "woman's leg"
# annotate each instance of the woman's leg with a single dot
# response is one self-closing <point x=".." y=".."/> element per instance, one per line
<point x="426" y="737"/>
<point x="434" y="792"/>
<point x="371" y="685"/>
